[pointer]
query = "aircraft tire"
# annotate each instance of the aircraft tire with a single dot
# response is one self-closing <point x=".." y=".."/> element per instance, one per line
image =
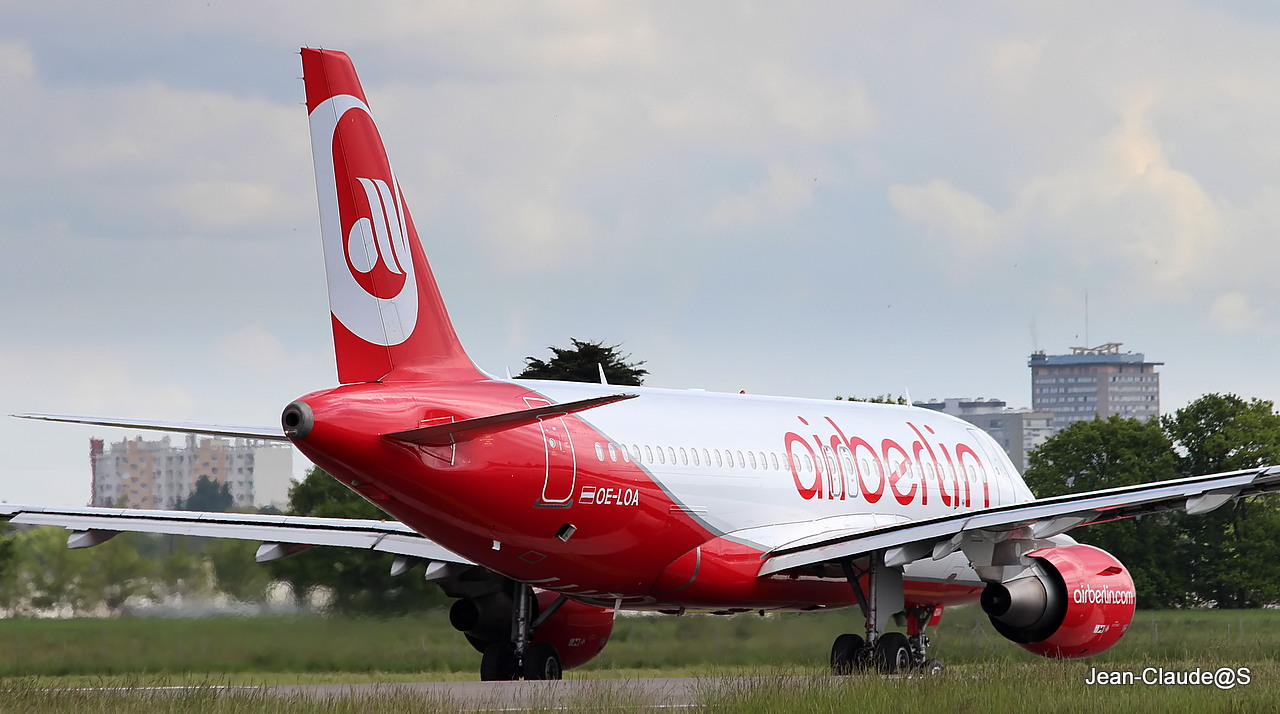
<point x="893" y="653"/>
<point x="498" y="663"/>
<point x="848" y="654"/>
<point x="541" y="661"/>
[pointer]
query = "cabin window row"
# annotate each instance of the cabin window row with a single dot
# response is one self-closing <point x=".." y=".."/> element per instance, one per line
<point x="770" y="461"/>
<point x="682" y="456"/>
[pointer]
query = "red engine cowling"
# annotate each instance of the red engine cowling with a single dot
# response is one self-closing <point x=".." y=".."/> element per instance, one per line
<point x="1075" y="601"/>
<point x="578" y="631"/>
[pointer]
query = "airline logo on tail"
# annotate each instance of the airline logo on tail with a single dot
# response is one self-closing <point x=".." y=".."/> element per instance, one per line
<point x="373" y="291"/>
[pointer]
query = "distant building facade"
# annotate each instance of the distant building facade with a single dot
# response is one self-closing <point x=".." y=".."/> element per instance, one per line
<point x="156" y="474"/>
<point x="1094" y="382"/>
<point x="1017" y="431"/>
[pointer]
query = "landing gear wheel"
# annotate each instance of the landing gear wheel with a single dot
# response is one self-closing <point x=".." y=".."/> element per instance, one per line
<point x="934" y="666"/>
<point x="848" y="654"/>
<point x="541" y="662"/>
<point x="498" y="663"/>
<point x="893" y="653"/>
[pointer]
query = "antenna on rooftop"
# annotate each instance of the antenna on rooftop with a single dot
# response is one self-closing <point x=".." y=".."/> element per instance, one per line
<point x="1086" y="318"/>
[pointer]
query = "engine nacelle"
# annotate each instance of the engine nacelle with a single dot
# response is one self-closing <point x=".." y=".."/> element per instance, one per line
<point x="578" y="631"/>
<point x="1075" y="601"/>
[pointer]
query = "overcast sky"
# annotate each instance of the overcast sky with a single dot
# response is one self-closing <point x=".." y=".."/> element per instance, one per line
<point x="809" y="200"/>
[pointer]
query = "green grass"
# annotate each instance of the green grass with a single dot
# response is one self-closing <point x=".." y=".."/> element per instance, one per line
<point x="48" y="665"/>
<point x="408" y="647"/>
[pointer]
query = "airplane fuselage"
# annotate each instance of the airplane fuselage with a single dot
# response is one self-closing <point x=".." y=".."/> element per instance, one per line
<point x="667" y="500"/>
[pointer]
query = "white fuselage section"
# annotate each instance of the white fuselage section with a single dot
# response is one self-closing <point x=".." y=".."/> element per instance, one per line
<point x="769" y="471"/>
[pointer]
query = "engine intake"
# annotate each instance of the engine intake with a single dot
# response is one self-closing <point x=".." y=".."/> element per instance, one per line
<point x="1074" y="601"/>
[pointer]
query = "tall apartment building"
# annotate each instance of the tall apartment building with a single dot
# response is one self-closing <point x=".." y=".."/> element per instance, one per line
<point x="156" y="474"/>
<point x="1017" y="431"/>
<point x="1094" y="381"/>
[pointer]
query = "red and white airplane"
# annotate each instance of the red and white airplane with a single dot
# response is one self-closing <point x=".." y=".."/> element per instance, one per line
<point x="545" y="507"/>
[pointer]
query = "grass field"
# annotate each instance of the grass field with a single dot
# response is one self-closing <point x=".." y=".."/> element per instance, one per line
<point x="40" y="657"/>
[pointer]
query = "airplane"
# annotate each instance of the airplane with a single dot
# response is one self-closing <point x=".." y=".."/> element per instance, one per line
<point x="547" y="507"/>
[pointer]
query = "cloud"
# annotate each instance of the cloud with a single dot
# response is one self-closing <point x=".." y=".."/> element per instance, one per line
<point x="1232" y="313"/>
<point x="963" y="224"/>
<point x="1119" y="199"/>
<point x="779" y="196"/>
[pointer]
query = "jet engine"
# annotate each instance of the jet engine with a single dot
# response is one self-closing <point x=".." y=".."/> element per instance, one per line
<point x="578" y="631"/>
<point x="1074" y="601"/>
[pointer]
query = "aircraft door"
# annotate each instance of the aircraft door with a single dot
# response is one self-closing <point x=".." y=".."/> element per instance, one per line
<point x="1001" y="488"/>
<point x="561" y="462"/>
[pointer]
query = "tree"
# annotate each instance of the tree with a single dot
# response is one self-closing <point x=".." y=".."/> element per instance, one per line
<point x="1098" y="454"/>
<point x="115" y="572"/>
<point x="582" y="363"/>
<point x="1234" y="551"/>
<point x="882" y="399"/>
<point x="208" y="495"/>
<point x="360" y="581"/>
<point x="235" y="571"/>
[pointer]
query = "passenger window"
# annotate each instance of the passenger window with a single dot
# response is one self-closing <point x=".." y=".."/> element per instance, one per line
<point x="648" y="454"/>
<point x="752" y="454"/>
<point x="719" y="462"/>
<point x="773" y="459"/>
<point x="613" y="453"/>
<point x="695" y="457"/>
<point x="706" y="457"/>
<point x="599" y="451"/>
<point x="671" y="455"/>
<point x="742" y="463"/>
<point x="728" y="458"/>
<point x="684" y="457"/>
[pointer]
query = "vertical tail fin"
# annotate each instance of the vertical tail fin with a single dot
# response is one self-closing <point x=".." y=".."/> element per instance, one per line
<point x="389" y="321"/>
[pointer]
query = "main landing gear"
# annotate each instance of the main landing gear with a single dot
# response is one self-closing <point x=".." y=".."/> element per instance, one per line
<point x="520" y="658"/>
<point x="885" y="652"/>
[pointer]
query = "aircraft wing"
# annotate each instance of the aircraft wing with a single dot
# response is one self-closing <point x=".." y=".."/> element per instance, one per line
<point x="1034" y="521"/>
<point x="280" y="535"/>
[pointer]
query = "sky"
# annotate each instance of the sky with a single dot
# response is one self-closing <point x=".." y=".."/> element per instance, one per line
<point x="809" y="199"/>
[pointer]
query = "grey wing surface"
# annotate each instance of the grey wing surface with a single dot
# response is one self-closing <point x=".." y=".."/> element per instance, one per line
<point x="1033" y="521"/>
<point x="280" y="535"/>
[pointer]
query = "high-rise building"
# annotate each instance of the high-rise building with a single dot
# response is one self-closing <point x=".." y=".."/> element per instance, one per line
<point x="1094" y="382"/>
<point x="1017" y="431"/>
<point x="155" y="474"/>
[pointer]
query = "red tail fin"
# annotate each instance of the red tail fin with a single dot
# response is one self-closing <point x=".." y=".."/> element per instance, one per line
<point x="389" y="322"/>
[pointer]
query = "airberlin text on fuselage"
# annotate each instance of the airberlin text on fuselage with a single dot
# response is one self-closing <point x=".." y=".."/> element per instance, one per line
<point x="846" y="466"/>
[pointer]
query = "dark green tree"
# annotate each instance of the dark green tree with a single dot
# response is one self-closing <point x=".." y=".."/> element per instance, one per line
<point x="582" y="363"/>
<point x="235" y="571"/>
<point x="208" y="495"/>
<point x="1233" y="552"/>
<point x="1098" y="454"/>
<point x="882" y="399"/>
<point x="361" y="581"/>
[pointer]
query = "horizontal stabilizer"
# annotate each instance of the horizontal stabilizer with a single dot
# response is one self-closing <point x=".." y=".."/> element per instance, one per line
<point x="269" y="433"/>
<point x="454" y="432"/>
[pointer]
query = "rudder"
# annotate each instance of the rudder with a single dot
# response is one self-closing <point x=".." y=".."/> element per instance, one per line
<point x="389" y="320"/>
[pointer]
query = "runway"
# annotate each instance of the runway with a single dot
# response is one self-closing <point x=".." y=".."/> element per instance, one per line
<point x="675" y="692"/>
<point x="662" y="693"/>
